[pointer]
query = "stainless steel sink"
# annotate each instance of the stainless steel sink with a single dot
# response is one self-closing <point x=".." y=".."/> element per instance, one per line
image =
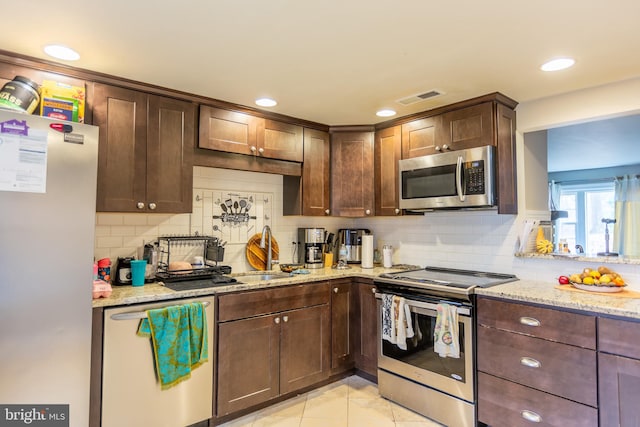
<point x="262" y="276"/>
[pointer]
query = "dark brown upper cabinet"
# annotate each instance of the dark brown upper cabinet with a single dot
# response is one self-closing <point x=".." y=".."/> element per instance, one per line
<point x="241" y="133"/>
<point x="352" y="193"/>
<point x="387" y="153"/>
<point x="145" y="151"/>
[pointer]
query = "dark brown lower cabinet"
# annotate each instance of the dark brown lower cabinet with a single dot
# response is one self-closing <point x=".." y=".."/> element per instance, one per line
<point x="619" y="372"/>
<point x="304" y="347"/>
<point x="504" y="403"/>
<point x="343" y="325"/>
<point x="366" y="348"/>
<point x="248" y="361"/>
<point x="262" y="357"/>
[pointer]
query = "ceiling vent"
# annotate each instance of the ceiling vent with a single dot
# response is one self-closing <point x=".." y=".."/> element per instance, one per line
<point x="420" y="97"/>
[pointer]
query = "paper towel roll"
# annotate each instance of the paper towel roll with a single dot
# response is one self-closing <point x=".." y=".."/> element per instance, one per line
<point x="367" y="251"/>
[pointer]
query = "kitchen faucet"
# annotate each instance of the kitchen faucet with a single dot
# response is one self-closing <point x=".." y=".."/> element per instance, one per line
<point x="266" y="229"/>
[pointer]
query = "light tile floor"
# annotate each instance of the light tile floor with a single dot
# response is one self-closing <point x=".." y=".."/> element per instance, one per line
<point x="352" y="402"/>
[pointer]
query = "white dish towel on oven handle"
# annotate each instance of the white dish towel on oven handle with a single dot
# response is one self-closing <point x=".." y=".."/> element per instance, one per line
<point x="445" y="335"/>
<point x="396" y="320"/>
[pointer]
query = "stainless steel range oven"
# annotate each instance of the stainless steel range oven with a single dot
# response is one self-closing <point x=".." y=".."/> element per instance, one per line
<point x="441" y="388"/>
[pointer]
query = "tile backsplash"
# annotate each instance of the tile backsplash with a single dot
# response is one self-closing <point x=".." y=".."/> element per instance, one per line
<point x="477" y="240"/>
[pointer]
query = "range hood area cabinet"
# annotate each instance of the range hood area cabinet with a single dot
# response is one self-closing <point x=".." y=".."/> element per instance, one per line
<point x="352" y="183"/>
<point x="145" y="158"/>
<point x="241" y="133"/>
<point x="487" y="120"/>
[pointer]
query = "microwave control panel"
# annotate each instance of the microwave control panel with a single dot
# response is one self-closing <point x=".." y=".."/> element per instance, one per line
<point x="474" y="177"/>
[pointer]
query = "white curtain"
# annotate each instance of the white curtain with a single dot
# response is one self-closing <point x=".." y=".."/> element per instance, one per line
<point x="626" y="231"/>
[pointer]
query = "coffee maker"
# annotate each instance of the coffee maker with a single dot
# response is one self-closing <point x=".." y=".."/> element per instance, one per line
<point x="311" y="247"/>
<point x="352" y="239"/>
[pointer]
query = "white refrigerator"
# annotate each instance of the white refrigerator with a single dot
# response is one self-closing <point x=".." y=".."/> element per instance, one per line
<point x="48" y="172"/>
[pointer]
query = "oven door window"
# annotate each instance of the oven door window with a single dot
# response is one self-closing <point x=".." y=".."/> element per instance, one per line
<point x="420" y="351"/>
<point x="438" y="181"/>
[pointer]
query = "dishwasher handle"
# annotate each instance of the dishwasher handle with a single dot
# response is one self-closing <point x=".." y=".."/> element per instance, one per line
<point x="139" y="314"/>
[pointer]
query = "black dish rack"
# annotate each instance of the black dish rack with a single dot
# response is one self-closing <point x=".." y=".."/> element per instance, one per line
<point x="212" y="252"/>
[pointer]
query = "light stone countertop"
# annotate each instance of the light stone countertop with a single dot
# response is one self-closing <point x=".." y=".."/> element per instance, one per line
<point x="530" y="291"/>
<point x="545" y="293"/>
<point x="150" y="292"/>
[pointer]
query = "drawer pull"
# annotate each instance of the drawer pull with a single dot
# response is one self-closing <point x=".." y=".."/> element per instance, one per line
<point x="529" y="321"/>
<point x="529" y="362"/>
<point x="531" y="416"/>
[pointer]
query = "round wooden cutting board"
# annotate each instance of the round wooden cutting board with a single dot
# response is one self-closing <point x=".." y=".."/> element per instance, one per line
<point x="256" y="256"/>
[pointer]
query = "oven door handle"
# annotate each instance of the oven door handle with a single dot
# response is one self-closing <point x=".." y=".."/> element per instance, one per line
<point x="464" y="311"/>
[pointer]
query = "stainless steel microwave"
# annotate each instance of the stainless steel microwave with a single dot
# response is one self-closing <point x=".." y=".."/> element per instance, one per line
<point x="454" y="180"/>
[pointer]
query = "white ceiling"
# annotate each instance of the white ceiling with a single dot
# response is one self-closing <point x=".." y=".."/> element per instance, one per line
<point x="338" y="61"/>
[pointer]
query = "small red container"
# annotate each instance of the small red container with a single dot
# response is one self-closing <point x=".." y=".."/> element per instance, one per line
<point x="104" y="269"/>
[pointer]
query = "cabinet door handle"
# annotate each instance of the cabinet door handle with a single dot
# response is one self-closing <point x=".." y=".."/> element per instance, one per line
<point x="530" y="362"/>
<point x="374" y="290"/>
<point x="529" y="321"/>
<point x="327" y="211"/>
<point x="397" y="211"/>
<point x="152" y="206"/>
<point x="445" y="147"/>
<point x="260" y="150"/>
<point x="285" y="319"/>
<point x="367" y="212"/>
<point x="335" y="290"/>
<point x="438" y="148"/>
<point x="253" y="148"/>
<point x="277" y="320"/>
<point x="140" y="205"/>
<point x="531" y="416"/>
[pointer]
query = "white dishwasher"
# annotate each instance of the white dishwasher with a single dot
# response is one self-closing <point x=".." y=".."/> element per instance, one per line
<point x="131" y="393"/>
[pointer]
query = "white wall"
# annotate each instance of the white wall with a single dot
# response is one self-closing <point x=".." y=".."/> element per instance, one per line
<point x="481" y="240"/>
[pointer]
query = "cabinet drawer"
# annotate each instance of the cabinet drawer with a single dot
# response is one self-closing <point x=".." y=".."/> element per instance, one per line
<point x="255" y="303"/>
<point x="620" y="337"/>
<point x="547" y="323"/>
<point x="497" y="411"/>
<point x="552" y="367"/>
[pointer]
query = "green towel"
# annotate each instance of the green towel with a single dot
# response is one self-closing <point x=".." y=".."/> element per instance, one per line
<point x="179" y="337"/>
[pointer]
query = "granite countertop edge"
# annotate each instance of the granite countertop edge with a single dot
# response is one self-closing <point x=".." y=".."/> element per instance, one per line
<point x="151" y="292"/>
<point x="528" y="291"/>
<point x="545" y="293"/>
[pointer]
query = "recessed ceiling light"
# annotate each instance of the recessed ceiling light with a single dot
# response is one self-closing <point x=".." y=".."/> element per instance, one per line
<point x="61" y="52"/>
<point x="385" y="113"/>
<point x="558" y="64"/>
<point x="266" y="102"/>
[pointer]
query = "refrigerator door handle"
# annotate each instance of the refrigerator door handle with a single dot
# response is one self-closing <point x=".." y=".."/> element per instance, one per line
<point x="139" y="314"/>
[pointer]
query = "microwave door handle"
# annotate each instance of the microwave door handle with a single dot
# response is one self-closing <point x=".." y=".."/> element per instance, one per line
<point x="459" y="178"/>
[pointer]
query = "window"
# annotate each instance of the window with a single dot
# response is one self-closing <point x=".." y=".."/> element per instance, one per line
<point x="586" y="204"/>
